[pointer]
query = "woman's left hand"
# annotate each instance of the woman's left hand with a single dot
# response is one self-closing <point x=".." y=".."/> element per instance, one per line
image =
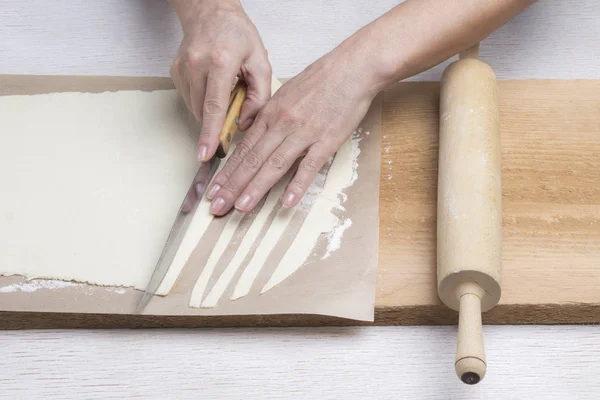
<point x="310" y="116"/>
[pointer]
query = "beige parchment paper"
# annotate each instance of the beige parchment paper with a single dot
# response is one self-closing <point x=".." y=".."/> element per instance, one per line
<point x="342" y="285"/>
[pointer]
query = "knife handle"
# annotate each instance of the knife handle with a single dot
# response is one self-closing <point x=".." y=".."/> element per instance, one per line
<point x="230" y="127"/>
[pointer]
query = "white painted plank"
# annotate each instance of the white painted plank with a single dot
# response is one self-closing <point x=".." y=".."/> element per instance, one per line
<point x="553" y="39"/>
<point x="559" y="362"/>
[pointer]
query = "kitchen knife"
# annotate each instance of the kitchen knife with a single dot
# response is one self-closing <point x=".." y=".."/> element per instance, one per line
<point x="194" y="195"/>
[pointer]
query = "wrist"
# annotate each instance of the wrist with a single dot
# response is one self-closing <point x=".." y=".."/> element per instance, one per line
<point x="188" y="10"/>
<point x="360" y="56"/>
<point x="378" y="55"/>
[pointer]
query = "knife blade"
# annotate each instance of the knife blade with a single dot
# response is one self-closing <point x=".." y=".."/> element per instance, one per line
<point x="194" y="196"/>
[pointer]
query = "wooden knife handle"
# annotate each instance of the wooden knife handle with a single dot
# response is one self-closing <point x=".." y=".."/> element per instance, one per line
<point x="230" y="127"/>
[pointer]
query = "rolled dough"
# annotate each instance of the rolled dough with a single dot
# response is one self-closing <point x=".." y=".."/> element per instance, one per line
<point x="199" y="224"/>
<point x="91" y="183"/>
<point x="244" y="248"/>
<point x="215" y="255"/>
<point x="320" y="219"/>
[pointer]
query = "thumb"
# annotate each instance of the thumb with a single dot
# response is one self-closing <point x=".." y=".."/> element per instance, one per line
<point x="257" y="76"/>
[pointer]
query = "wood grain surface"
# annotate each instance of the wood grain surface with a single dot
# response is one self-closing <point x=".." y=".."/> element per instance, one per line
<point x="550" y="133"/>
<point x="551" y="219"/>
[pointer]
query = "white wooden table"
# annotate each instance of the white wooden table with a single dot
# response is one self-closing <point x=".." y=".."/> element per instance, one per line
<point x="554" y="39"/>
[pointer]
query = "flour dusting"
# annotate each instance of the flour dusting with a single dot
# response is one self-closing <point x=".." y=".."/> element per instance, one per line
<point x="357" y="136"/>
<point x="334" y="236"/>
<point x="116" y="290"/>
<point x="314" y="190"/>
<point x="35" y="285"/>
<point x="334" y="239"/>
<point x="323" y="205"/>
<point x="53" y="284"/>
<point x="338" y="197"/>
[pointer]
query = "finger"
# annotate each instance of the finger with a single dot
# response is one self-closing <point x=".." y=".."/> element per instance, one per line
<point x="197" y="89"/>
<point x="278" y="163"/>
<point x="251" y="163"/>
<point x="218" y="88"/>
<point x="251" y="137"/>
<point x="308" y="168"/>
<point x="181" y="84"/>
<point x="257" y="75"/>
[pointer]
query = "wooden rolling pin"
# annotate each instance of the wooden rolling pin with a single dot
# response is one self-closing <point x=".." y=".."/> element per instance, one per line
<point x="469" y="213"/>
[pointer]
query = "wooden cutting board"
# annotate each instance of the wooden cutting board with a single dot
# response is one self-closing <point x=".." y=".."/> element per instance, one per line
<point x="551" y="205"/>
<point x="550" y="132"/>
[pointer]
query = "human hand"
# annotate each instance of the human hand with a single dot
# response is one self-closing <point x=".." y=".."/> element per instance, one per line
<point x="219" y="43"/>
<point x="312" y="115"/>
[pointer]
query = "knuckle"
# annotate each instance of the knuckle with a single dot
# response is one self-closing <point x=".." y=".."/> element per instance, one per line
<point x="212" y="107"/>
<point x="309" y="164"/>
<point x="277" y="161"/>
<point x="298" y="185"/>
<point x="299" y="140"/>
<point x="243" y="147"/>
<point x="289" y="116"/>
<point x="220" y="58"/>
<point x="252" y="161"/>
<point x="235" y="159"/>
<point x="193" y="58"/>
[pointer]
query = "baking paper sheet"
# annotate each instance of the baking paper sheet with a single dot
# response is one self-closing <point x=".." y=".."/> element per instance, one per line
<point x="342" y="285"/>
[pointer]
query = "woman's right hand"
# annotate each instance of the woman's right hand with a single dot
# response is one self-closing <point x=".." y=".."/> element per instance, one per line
<point x="219" y="43"/>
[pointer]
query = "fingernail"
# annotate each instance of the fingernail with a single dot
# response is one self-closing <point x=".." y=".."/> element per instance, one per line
<point x="202" y="150"/>
<point x="212" y="192"/>
<point x="217" y="205"/>
<point x="288" y="200"/>
<point x="243" y="202"/>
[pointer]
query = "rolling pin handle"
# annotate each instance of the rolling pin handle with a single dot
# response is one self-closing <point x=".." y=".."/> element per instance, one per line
<point x="470" y="362"/>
